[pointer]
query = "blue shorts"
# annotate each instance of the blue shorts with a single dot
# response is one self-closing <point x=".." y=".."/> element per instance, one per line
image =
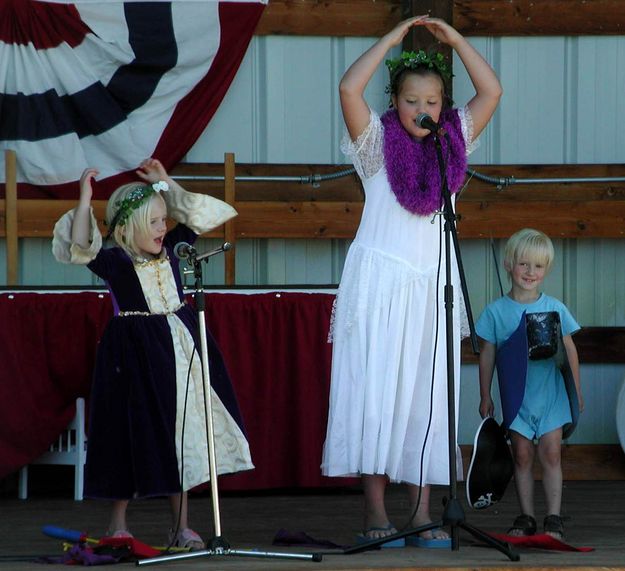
<point x="545" y="408"/>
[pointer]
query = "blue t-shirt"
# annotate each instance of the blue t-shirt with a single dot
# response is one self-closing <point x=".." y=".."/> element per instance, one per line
<point x="545" y="403"/>
<point x="500" y="319"/>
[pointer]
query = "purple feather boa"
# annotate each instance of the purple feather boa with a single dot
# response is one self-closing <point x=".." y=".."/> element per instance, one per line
<point x="412" y="166"/>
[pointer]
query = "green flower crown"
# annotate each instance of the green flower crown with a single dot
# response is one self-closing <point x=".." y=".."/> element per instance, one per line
<point x="135" y="198"/>
<point x="416" y="60"/>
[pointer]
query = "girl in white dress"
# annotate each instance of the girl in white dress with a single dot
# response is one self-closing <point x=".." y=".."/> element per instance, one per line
<point x="388" y="396"/>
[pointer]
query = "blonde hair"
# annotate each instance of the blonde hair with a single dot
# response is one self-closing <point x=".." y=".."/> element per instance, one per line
<point x="137" y="223"/>
<point x="534" y="244"/>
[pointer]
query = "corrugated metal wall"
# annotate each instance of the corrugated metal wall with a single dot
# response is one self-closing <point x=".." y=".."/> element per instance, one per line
<point x="563" y="103"/>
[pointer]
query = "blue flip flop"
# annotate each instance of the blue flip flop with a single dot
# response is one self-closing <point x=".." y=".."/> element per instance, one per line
<point x="418" y="541"/>
<point x="362" y="537"/>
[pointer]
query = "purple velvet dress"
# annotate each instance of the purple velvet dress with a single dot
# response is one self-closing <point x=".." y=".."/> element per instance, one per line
<point x="147" y="418"/>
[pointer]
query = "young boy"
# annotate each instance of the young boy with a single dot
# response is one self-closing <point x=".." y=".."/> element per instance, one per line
<point x="535" y="401"/>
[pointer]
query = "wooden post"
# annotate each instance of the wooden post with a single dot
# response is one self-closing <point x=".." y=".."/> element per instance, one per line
<point x="229" y="231"/>
<point x="11" y="216"/>
<point x="419" y="37"/>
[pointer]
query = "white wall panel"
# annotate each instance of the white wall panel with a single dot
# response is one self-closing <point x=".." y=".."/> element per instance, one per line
<point x="283" y="106"/>
<point x="599" y="103"/>
<point x="489" y="147"/>
<point x="562" y="101"/>
<point x="532" y="118"/>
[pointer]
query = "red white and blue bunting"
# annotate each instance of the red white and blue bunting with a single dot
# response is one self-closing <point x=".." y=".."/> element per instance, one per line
<point x="106" y="84"/>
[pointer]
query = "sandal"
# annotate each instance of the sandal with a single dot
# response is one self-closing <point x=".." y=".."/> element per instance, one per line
<point x="123" y="533"/>
<point x="186" y="538"/>
<point x="432" y="542"/>
<point x="375" y="533"/>
<point x="554" y="526"/>
<point x="525" y="524"/>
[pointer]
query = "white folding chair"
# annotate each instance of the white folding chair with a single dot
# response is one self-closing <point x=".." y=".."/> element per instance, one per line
<point x="69" y="450"/>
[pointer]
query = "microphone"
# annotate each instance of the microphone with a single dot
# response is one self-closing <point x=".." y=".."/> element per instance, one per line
<point x="183" y="251"/>
<point x="223" y="248"/>
<point x="424" y="121"/>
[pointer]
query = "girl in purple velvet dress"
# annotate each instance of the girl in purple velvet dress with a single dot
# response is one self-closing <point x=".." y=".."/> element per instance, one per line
<point x="147" y="433"/>
<point x="388" y="396"/>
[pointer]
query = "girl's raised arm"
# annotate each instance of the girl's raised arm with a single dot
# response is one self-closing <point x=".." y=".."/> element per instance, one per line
<point x="152" y="170"/>
<point x="81" y="229"/>
<point x="356" y="78"/>
<point x="487" y="87"/>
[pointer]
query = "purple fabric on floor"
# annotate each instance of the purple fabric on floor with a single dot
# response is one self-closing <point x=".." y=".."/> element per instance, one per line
<point x="80" y="554"/>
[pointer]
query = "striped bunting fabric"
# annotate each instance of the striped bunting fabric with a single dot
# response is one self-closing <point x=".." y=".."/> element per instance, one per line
<point x="106" y="84"/>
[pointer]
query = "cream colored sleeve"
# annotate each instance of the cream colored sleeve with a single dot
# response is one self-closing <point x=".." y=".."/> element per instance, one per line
<point x="68" y="253"/>
<point x="200" y="212"/>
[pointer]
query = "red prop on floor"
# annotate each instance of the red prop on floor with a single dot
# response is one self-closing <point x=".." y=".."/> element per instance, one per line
<point x="137" y="548"/>
<point x="539" y="541"/>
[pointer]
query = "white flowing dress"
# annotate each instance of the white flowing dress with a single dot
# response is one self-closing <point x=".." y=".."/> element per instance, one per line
<point x="388" y="395"/>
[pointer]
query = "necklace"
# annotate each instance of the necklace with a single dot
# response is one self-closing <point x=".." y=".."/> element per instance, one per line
<point x="412" y="166"/>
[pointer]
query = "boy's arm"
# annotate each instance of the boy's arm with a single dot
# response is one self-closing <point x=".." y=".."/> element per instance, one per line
<point x="487" y="367"/>
<point x="571" y="353"/>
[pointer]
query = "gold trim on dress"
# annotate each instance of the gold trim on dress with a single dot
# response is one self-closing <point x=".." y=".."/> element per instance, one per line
<point x="147" y="313"/>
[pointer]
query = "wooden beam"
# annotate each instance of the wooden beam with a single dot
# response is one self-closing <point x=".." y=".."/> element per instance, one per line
<point x="341" y="18"/>
<point x="561" y="209"/>
<point x="513" y="189"/>
<point x="419" y="37"/>
<point x="594" y="345"/>
<point x="558" y="219"/>
<point x="598" y="462"/>
<point x="592" y="462"/>
<point x="544" y="18"/>
<point x="338" y="18"/>
<point x="298" y="219"/>
<point x="332" y="208"/>
<point x="601" y="344"/>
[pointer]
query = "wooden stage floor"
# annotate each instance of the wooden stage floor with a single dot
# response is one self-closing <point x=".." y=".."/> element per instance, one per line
<point x="596" y="511"/>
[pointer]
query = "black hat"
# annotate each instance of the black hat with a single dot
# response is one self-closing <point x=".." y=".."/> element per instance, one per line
<point x="491" y="465"/>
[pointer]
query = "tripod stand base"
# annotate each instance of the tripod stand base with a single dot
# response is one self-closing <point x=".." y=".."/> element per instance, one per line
<point x="219" y="552"/>
<point x="454" y="515"/>
<point x="500" y="545"/>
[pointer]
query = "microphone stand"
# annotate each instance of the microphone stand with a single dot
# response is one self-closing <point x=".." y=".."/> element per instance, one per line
<point x="218" y="546"/>
<point x="453" y="513"/>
